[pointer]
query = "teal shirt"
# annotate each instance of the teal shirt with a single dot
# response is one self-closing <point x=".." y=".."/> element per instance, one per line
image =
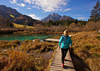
<point x="65" y="41"/>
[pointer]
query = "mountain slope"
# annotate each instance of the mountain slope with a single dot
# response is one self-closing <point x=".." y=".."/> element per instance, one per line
<point x="66" y="17"/>
<point x="16" y="17"/>
<point x="53" y="17"/>
<point x="56" y="17"/>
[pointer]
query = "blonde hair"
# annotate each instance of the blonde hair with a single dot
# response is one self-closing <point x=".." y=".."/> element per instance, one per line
<point x="65" y="31"/>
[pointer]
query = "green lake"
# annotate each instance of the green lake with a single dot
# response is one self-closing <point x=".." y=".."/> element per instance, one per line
<point x="22" y="38"/>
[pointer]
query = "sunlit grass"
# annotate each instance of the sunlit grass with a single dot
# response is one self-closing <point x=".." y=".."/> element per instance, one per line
<point x="21" y="26"/>
<point x="22" y="58"/>
<point x="12" y="16"/>
<point x="87" y="47"/>
<point x="20" y="61"/>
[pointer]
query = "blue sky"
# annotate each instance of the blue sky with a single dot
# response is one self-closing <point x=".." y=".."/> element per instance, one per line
<point x="38" y="9"/>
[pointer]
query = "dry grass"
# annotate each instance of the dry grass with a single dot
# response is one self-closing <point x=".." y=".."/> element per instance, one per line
<point x="87" y="47"/>
<point x="20" y="61"/>
<point x="91" y="26"/>
<point x="9" y="44"/>
<point x="37" y="46"/>
<point x="28" y="57"/>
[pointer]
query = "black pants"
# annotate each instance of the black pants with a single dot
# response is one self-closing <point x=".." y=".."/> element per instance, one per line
<point x="64" y="51"/>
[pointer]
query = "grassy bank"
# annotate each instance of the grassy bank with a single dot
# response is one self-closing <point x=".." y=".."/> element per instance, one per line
<point x="86" y="52"/>
<point x="29" y="56"/>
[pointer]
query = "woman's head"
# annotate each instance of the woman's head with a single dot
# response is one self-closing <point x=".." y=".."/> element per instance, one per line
<point x="65" y="32"/>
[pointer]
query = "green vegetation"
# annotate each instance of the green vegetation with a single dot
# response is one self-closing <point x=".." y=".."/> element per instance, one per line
<point x="95" y="14"/>
<point x="64" y="22"/>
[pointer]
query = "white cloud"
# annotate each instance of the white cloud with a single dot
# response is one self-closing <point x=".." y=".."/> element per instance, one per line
<point x="35" y="7"/>
<point x="68" y="9"/>
<point x="13" y="1"/>
<point x="49" y="5"/>
<point x="29" y="8"/>
<point x="81" y="18"/>
<point x="46" y="5"/>
<point x="21" y="5"/>
<point x="28" y="1"/>
<point x="34" y="16"/>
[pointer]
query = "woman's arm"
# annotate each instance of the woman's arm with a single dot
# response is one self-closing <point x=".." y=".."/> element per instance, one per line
<point x="60" y="41"/>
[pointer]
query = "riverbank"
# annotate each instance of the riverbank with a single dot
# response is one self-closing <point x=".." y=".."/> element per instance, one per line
<point x="9" y="30"/>
<point x="26" y="37"/>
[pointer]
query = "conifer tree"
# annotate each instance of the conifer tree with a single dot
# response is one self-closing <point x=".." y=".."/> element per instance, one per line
<point x="95" y="13"/>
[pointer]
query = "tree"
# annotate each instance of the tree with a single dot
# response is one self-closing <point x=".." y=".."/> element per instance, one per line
<point x="8" y="22"/>
<point x="95" y="13"/>
<point x="67" y="22"/>
<point x="49" y="23"/>
<point x="76" y="21"/>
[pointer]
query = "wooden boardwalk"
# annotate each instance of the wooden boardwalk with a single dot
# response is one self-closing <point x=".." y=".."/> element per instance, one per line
<point x="54" y="40"/>
<point x="51" y="40"/>
<point x="56" y="63"/>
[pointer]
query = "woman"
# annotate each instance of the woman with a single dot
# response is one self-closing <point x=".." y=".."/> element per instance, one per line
<point x="65" y="43"/>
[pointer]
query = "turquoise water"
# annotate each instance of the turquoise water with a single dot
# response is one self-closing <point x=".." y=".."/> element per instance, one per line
<point x="22" y="38"/>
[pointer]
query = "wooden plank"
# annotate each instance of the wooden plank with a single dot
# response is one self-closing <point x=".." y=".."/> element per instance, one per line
<point x="56" y="63"/>
<point x="54" y="40"/>
<point x="51" y="40"/>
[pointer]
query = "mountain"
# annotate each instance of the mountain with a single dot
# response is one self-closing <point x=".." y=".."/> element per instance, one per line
<point x="66" y="17"/>
<point x="16" y="17"/>
<point x="56" y="17"/>
<point x="53" y="17"/>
